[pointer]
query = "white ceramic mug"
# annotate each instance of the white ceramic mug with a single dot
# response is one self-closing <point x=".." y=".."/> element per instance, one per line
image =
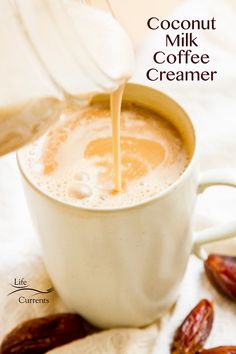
<point x="123" y="267"/>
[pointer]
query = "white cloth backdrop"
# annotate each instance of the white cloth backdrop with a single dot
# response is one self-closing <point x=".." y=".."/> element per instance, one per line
<point x="212" y="107"/>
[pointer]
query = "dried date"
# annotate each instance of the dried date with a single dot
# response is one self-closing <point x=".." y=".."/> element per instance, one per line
<point x="219" y="350"/>
<point x="221" y="271"/>
<point x="190" y="337"/>
<point x="42" y="334"/>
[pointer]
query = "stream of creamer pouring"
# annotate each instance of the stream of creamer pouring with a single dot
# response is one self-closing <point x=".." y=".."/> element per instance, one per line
<point x="115" y="103"/>
<point x="91" y="53"/>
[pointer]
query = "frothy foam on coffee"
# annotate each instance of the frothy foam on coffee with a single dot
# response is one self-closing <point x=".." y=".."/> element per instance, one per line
<point x="74" y="162"/>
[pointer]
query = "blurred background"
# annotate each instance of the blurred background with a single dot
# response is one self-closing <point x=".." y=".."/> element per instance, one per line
<point x="132" y="14"/>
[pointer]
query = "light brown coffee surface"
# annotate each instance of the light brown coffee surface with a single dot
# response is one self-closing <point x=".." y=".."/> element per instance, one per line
<point x="74" y="162"/>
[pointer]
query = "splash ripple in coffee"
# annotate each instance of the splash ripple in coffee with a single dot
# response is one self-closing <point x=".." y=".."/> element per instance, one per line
<point x="74" y="162"/>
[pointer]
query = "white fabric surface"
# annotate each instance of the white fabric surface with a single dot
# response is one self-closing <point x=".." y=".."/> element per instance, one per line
<point x="213" y="109"/>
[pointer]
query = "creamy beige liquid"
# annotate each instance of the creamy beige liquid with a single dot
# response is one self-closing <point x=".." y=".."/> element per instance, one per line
<point x="115" y="106"/>
<point x="75" y="161"/>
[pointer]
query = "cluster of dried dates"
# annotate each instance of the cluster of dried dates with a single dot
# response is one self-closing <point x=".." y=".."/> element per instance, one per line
<point x="40" y="335"/>
<point x="192" y="334"/>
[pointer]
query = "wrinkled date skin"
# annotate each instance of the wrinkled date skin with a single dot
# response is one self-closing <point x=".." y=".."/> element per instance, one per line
<point x="39" y="335"/>
<point x="220" y="350"/>
<point x="190" y="337"/>
<point x="221" y="271"/>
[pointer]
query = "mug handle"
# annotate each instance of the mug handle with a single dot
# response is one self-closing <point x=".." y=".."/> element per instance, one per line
<point x="215" y="233"/>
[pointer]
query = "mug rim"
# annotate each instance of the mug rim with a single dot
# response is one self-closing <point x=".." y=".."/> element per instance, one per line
<point x="149" y="200"/>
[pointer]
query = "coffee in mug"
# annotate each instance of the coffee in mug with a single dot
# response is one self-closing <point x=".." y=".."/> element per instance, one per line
<point x="74" y="161"/>
<point x="119" y="261"/>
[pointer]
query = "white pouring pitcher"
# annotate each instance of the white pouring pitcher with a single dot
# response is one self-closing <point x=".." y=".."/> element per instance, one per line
<point x="54" y="53"/>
